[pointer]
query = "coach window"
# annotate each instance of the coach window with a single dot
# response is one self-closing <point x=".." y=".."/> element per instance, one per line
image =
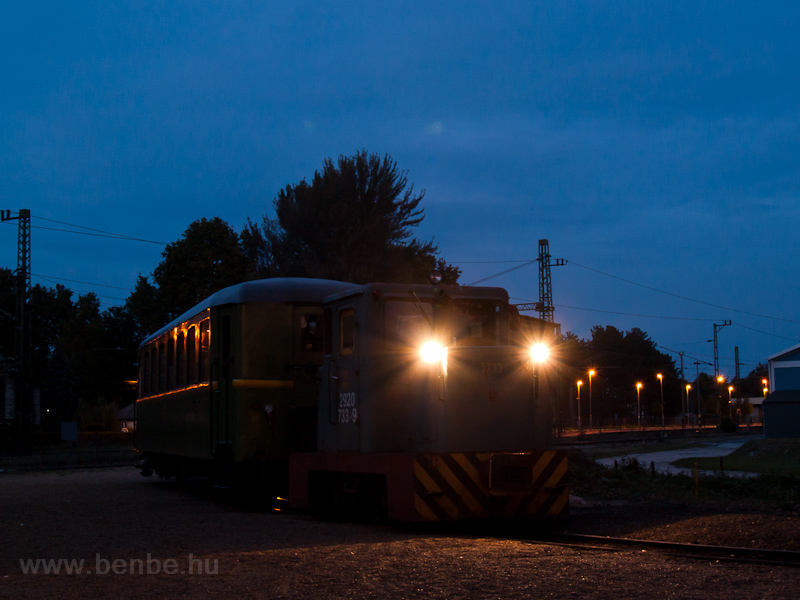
<point x="191" y="355"/>
<point x="347" y="331"/>
<point x="407" y="323"/>
<point x="144" y="371"/>
<point x="153" y="386"/>
<point x="225" y="357"/>
<point x="205" y="346"/>
<point x="310" y="333"/>
<point x="162" y="366"/>
<point x="474" y="322"/>
<point x="180" y="361"/>
<point x="170" y="362"/>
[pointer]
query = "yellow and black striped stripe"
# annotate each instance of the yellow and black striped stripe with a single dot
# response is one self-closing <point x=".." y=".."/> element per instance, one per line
<point x="460" y="486"/>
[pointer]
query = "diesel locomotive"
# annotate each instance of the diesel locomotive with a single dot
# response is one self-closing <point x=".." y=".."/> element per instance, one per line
<point x="428" y="402"/>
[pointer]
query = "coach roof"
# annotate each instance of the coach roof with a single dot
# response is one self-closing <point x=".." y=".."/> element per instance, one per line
<point x="292" y="290"/>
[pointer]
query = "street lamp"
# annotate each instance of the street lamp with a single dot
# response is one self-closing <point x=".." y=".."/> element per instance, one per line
<point x="720" y="380"/>
<point x="686" y="408"/>
<point x="580" y="429"/>
<point x="591" y="374"/>
<point x="661" y="383"/>
<point x="730" y="409"/>
<point x="766" y="387"/>
<point x="639" y="405"/>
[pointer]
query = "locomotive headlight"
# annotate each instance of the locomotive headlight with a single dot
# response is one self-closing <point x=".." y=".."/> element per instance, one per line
<point x="431" y="352"/>
<point x="539" y="353"/>
<point x="434" y="353"/>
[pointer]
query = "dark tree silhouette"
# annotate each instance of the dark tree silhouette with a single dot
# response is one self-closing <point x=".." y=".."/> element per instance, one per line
<point x="353" y="222"/>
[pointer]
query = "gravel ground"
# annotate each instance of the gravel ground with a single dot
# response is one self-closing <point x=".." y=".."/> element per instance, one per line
<point x="119" y="523"/>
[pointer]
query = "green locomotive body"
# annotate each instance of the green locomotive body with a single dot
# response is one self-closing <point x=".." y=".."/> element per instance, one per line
<point x="231" y="383"/>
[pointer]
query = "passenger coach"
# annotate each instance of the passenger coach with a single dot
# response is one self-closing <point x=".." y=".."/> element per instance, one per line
<point x="229" y="387"/>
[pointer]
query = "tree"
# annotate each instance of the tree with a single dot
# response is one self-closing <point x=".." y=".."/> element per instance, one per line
<point x="353" y="223"/>
<point x="144" y="310"/>
<point x="206" y="259"/>
<point x="621" y="359"/>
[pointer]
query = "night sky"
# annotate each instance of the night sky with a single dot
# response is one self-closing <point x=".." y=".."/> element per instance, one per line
<point x="654" y="144"/>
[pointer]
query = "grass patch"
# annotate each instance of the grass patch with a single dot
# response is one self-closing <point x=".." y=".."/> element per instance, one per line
<point x="633" y="482"/>
<point x="779" y="457"/>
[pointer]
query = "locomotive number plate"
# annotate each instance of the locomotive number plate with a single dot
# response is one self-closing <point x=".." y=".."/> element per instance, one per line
<point x="348" y="413"/>
<point x="490" y="367"/>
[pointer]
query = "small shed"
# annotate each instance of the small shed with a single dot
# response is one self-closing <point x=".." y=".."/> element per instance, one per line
<point x="127" y="417"/>
<point x="782" y="414"/>
<point x="782" y="405"/>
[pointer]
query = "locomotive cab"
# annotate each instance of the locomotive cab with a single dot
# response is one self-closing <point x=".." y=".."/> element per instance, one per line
<point x="414" y="368"/>
<point x="432" y="402"/>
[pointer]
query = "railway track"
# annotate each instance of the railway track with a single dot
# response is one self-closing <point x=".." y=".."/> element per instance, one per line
<point x="762" y="556"/>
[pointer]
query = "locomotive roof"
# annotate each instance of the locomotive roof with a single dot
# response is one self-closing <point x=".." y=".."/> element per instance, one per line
<point x="424" y="291"/>
<point x="294" y="290"/>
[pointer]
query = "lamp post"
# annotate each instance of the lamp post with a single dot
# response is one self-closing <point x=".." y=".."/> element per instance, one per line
<point x="766" y="387"/>
<point x="686" y="412"/>
<point x="730" y="409"/>
<point x="580" y="429"/>
<point x="720" y="381"/>
<point x="639" y="406"/>
<point x="661" y="383"/>
<point x="591" y="374"/>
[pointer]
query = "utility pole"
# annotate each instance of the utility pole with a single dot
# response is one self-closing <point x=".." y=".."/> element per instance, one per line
<point x="546" y="309"/>
<point x="736" y="378"/>
<point x="22" y="286"/>
<point x="716" y="365"/>
<point x="683" y="387"/>
<point x="697" y="367"/>
<point x="716" y="347"/>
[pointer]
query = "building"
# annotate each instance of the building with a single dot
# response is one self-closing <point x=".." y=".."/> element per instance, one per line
<point x="782" y="404"/>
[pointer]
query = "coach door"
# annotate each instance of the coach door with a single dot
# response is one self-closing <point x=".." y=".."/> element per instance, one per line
<point x="224" y="333"/>
<point x="344" y="401"/>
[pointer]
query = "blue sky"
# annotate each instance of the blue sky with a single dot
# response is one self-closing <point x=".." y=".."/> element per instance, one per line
<point x="656" y="142"/>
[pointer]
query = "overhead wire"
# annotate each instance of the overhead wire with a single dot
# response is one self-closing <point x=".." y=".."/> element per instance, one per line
<point x="98" y="295"/>
<point x="45" y="277"/>
<point x="647" y="287"/>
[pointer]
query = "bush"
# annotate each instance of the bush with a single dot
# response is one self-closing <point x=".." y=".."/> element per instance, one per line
<point x="728" y="425"/>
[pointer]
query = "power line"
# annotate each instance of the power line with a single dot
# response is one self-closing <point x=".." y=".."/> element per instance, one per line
<point x="108" y="233"/>
<point x="647" y="287"/>
<point x="83" y="282"/>
<point x="783" y="337"/>
<point x="98" y="295"/>
<point x="530" y="262"/>
<point x="488" y="262"/>
<point x="611" y="312"/>
<point x="112" y="236"/>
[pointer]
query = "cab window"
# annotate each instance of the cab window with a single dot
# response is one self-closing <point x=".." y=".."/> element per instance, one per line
<point x="474" y="322"/>
<point x="406" y="323"/>
<point x="347" y="331"/>
<point x="311" y="333"/>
